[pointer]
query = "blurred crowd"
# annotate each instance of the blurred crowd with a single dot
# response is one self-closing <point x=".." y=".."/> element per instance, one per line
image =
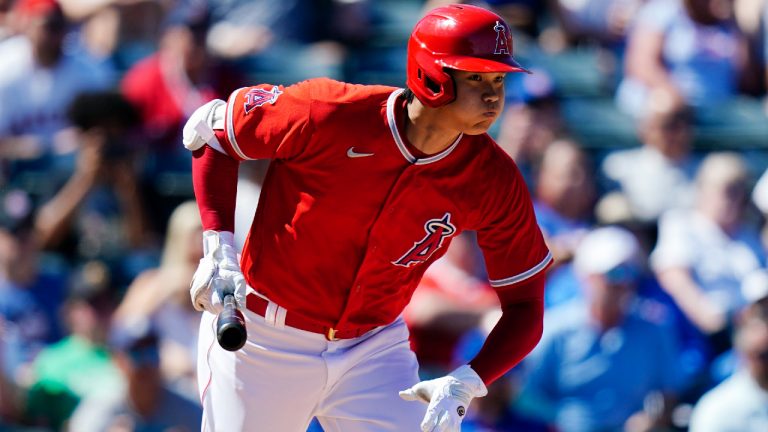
<point x="642" y="133"/>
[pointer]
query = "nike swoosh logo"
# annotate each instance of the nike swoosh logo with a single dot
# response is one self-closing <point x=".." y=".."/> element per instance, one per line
<point x="353" y="154"/>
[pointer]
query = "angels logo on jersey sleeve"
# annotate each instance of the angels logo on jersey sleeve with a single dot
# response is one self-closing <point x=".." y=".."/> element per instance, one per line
<point x="437" y="230"/>
<point x="257" y="97"/>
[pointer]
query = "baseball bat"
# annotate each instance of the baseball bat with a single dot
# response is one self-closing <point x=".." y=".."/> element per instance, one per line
<point x="230" y="325"/>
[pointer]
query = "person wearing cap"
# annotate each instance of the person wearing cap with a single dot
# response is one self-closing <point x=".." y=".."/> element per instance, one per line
<point x="602" y="358"/>
<point x="367" y="187"/>
<point x="145" y="403"/>
<point x="740" y="403"/>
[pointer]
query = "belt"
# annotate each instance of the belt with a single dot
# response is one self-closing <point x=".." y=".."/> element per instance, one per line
<point x="258" y="305"/>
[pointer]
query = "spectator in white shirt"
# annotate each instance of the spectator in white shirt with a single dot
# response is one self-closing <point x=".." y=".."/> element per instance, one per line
<point x="740" y="403"/>
<point x="703" y="254"/>
<point x="657" y="176"/>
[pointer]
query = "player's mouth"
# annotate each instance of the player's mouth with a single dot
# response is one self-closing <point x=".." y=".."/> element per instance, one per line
<point x="490" y="114"/>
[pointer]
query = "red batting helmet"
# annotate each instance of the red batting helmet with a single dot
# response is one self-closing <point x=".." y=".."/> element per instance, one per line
<point x="462" y="37"/>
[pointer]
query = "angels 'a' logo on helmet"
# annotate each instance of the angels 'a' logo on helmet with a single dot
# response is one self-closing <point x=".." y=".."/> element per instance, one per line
<point x="257" y="97"/>
<point x="437" y="230"/>
<point x="501" y="39"/>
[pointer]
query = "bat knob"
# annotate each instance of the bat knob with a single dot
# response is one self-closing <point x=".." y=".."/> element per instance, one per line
<point x="230" y="326"/>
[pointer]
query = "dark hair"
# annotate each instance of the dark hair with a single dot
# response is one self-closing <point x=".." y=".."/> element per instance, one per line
<point x="102" y="108"/>
<point x="408" y="95"/>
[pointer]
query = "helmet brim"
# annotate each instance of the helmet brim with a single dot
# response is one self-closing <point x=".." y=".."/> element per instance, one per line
<point x="479" y="64"/>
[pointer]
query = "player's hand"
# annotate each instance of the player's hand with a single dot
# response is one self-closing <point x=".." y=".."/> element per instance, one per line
<point x="448" y="398"/>
<point x="219" y="271"/>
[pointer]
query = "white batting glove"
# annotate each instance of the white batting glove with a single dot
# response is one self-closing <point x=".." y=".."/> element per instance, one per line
<point x="219" y="271"/>
<point x="448" y="398"/>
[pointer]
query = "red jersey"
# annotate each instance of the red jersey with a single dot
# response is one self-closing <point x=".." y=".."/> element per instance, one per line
<point x="349" y="218"/>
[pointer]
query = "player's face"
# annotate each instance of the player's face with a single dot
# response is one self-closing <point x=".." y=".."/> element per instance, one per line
<point x="479" y="101"/>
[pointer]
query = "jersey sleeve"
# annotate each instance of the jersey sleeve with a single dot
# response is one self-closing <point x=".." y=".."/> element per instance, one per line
<point x="512" y="243"/>
<point x="267" y="121"/>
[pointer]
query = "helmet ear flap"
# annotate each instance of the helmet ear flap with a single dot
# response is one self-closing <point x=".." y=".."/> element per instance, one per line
<point x="445" y="90"/>
<point x="431" y="85"/>
<point x="430" y="91"/>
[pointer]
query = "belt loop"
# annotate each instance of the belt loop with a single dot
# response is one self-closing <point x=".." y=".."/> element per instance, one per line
<point x="270" y="315"/>
<point x="280" y="317"/>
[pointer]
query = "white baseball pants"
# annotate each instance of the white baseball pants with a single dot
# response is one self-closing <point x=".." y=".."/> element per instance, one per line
<point x="283" y="377"/>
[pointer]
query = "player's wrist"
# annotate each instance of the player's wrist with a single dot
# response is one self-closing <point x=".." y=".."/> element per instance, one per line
<point x="218" y="269"/>
<point x="470" y="381"/>
<point x="214" y="240"/>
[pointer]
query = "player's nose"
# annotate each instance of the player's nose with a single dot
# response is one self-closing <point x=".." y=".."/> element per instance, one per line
<point x="492" y="93"/>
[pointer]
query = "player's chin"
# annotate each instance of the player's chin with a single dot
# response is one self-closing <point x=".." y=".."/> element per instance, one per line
<point x="479" y="128"/>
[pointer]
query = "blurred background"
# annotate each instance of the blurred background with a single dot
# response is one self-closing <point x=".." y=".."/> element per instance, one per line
<point x="642" y="133"/>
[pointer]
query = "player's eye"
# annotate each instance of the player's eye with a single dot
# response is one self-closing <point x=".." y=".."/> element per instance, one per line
<point x="499" y="79"/>
<point x="475" y="77"/>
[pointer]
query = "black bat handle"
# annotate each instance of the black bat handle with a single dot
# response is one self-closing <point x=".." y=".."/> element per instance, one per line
<point x="230" y="325"/>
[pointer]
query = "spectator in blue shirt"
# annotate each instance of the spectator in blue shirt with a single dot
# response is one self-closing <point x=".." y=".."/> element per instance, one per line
<point x="602" y="357"/>
<point x="689" y="50"/>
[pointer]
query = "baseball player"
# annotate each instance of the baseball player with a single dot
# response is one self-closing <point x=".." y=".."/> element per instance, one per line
<point x="366" y="188"/>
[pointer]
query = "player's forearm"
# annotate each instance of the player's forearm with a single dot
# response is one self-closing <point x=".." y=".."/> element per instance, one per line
<point x="214" y="177"/>
<point x="516" y="334"/>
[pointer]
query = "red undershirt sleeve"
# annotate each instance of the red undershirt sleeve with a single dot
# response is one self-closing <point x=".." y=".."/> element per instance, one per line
<point x="518" y="331"/>
<point x="214" y="178"/>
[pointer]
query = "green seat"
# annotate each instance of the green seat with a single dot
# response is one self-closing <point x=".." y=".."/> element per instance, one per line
<point x="740" y="124"/>
<point x="597" y="124"/>
<point x="575" y="72"/>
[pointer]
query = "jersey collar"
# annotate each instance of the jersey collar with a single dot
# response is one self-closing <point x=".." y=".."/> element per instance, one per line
<point x="391" y="103"/>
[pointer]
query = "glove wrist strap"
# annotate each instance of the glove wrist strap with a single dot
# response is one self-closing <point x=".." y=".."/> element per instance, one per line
<point x="471" y="380"/>
<point x="213" y="240"/>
